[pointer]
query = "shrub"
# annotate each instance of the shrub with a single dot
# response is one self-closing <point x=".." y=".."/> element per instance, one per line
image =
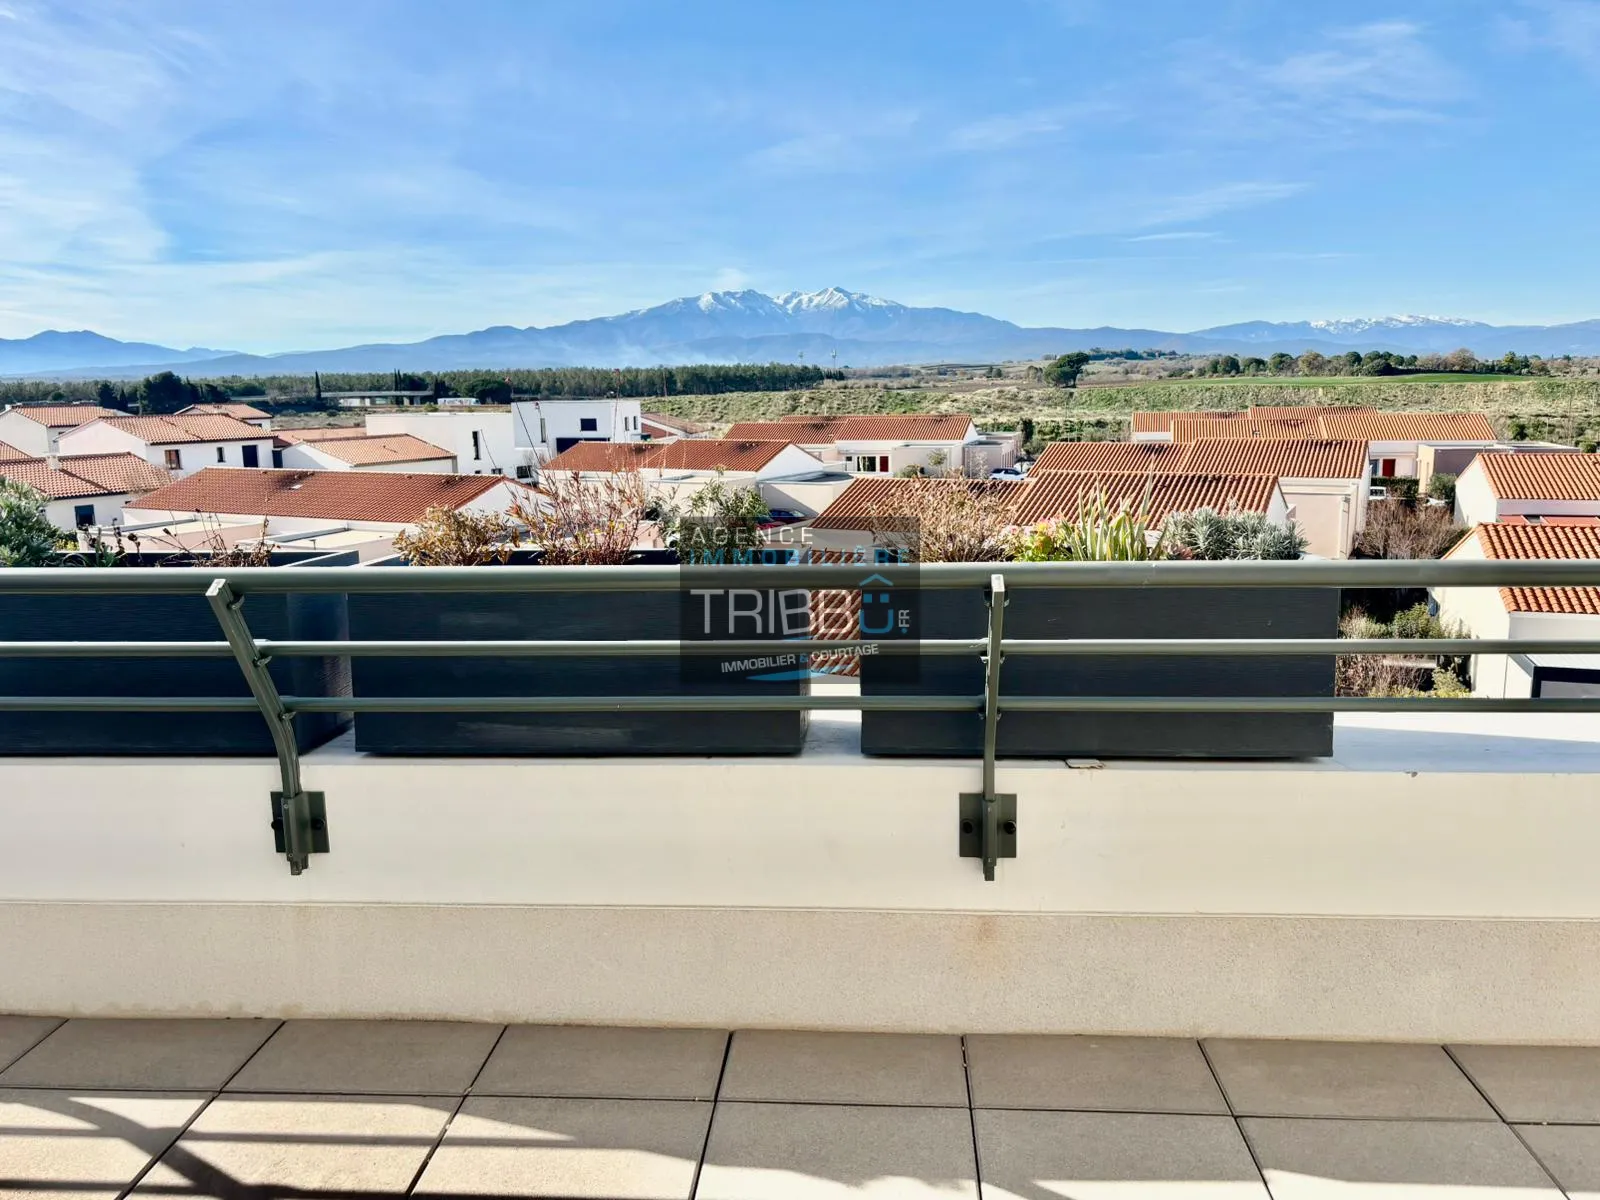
<point x="1396" y="531"/>
<point x="1442" y="487"/>
<point x="450" y="537"/>
<point x="1376" y="675"/>
<point x="947" y="521"/>
<point x="27" y="539"/>
<point x="578" y="523"/>
<point x="720" y="517"/>
<point x="1209" y="536"/>
<point x="1098" y="534"/>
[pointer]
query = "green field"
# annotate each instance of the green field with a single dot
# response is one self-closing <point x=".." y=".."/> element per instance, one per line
<point x="1558" y="409"/>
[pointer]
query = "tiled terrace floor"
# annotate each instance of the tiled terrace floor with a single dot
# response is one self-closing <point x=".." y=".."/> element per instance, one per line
<point x="314" y="1109"/>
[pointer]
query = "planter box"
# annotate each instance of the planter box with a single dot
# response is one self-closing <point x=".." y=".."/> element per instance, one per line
<point x="546" y="616"/>
<point x="1117" y="613"/>
<point x="49" y="618"/>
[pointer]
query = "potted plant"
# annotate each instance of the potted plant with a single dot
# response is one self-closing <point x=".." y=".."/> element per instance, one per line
<point x="144" y="616"/>
<point x="572" y="522"/>
<point x="975" y="529"/>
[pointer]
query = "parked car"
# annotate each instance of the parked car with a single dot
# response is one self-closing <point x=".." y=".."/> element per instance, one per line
<point x="1006" y="473"/>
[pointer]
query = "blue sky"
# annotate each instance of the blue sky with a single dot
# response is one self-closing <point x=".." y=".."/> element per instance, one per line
<point x="283" y="175"/>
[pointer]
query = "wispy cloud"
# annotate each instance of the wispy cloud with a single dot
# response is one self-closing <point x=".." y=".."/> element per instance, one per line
<point x="1177" y="235"/>
<point x="1006" y="129"/>
<point x="1571" y="27"/>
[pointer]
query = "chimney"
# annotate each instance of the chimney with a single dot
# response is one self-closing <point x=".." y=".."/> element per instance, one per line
<point x="53" y="461"/>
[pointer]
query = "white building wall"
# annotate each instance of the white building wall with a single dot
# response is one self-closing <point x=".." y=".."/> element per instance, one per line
<point x="1476" y="503"/>
<point x="1330" y="512"/>
<point x="546" y="426"/>
<point x="108" y="510"/>
<point x="99" y="438"/>
<point x="26" y="434"/>
<point x="497" y="447"/>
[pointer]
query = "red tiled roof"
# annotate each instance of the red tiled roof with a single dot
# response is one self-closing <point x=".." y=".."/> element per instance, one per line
<point x="871" y="497"/>
<point x="176" y="430"/>
<point x="10" y="453"/>
<point x="676" y="423"/>
<point x="1409" y="427"/>
<point x="890" y="427"/>
<point x="389" y="496"/>
<point x="63" y="416"/>
<point x="697" y="454"/>
<point x="380" y="448"/>
<point x="1192" y="429"/>
<point x="1524" y="542"/>
<point x="1059" y="493"/>
<point x="1108" y="456"/>
<point x="1540" y="475"/>
<point x="1538" y="519"/>
<point x="1277" y="412"/>
<point x="1344" y="423"/>
<point x="333" y="433"/>
<point x="238" y="411"/>
<point x="1291" y="458"/>
<point x="1161" y="422"/>
<point x="85" y="475"/>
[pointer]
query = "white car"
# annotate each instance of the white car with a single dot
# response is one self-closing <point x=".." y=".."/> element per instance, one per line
<point x="1005" y="473"/>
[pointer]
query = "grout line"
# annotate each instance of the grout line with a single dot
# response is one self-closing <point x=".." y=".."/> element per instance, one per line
<point x="461" y="1100"/>
<point x="215" y="1095"/>
<point x="31" y="1047"/>
<point x="1239" y="1127"/>
<point x="1515" y="1132"/>
<point x="711" y="1119"/>
<point x="972" y="1117"/>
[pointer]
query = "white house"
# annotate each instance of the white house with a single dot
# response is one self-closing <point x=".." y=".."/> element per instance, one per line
<point x="1528" y="612"/>
<point x="482" y="441"/>
<point x="548" y="427"/>
<point x="86" y="489"/>
<point x="248" y="413"/>
<point x="1498" y="485"/>
<point x="887" y="444"/>
<point x="37" y="428"/>
<point x="363" y="452"/>
<point x="181" y="445"/>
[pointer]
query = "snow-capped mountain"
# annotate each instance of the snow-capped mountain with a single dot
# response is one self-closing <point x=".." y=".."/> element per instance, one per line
<point x="833" y="326"/>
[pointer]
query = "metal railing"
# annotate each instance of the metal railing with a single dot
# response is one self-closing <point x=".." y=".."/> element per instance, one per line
<point x="988" y="820"/>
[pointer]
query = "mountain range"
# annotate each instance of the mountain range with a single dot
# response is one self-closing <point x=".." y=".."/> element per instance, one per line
<point x="830" y="327"/>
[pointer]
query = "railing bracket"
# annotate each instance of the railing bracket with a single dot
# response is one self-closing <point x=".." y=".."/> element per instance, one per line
<point x="988" y="828"/>
<point x="310" y="814"/>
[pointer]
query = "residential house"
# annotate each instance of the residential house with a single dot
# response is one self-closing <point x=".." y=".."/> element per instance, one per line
<point x="361" y="510"/>
<point x="85" y="489"/>
<point x="545" y="428"/>
<point x="362" y="452"/>
<point x="888" y="444"/>
<point x="483" y="440"/>
<point x="248" y="413"/>
<point x="1528" y="612"/>
<point x="1501" y="485"/>
<point x="660" y="427"/>
<point x="37" y="428"/>
<point x="181" y="445"/>
<point x="865" y="506"/>
<point x="787" y="476"/>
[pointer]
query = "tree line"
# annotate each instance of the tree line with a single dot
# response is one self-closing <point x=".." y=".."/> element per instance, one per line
<point x="1375" y="362"/>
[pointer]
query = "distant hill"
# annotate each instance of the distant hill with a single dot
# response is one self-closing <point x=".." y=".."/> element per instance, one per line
<point x="830" y="327"/>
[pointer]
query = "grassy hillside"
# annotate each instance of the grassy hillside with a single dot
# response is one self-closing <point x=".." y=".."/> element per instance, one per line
<point x="1558" y="409"/>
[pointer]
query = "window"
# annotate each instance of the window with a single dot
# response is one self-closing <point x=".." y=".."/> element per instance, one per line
<point x="496" y="471"/>
<point x="543" y="437"/>
<point x="477" y="444"/>
<point x="524" y="472"/>
<point x="174" y="460"/>
<point x="872" y="464"/>
<point x="277" y="458"/>
<point x="83" y="515"/>
<point x="252" y="456"/>
<point x="222" y="454"/>
<point x="588" y="425"/>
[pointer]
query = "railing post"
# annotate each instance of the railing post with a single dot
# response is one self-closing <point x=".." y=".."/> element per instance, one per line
<point x="299" y="819"/>
<point x="988" y="819"/>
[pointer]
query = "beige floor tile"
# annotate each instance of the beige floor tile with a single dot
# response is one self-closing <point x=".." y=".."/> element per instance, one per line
<point x="405" y="1058"/>
<point x="155" y="1055"/>
<point x="318" y="1144"/>
<point x="77" y="1145"/>
<point x="571" y="1148"/>
<point x="846" y="1068"/>
<point x="1395" y="1160"/>
<point x="571" y="1060"/>
<point x="1344" y="1079"/>
<point x="1537" y="1083"/>
<point x="18" y="1034"/>
<point x="1106" y="1073"/>
<point x="838" y="1152"/>
<point x="1114" y="1156"/>
<point x="1569" y="1152"/>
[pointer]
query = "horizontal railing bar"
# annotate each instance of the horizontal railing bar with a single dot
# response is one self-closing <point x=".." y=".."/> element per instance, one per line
<point x="611" y="649"/>
<point x="204" y="704"/>
<point x="115" y="650"/>
<point x="1270" y="647"/>
<point x="673" y="703"/>
<point x="933" y="576"/>
<point x="1296" y="704"/>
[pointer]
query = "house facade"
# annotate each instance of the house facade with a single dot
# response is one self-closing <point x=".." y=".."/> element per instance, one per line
<point x="1499" y="485"/>
<point x="248" y="413"/>
<point x="482" y="441"/>
<point x="37" y="428"/>
<point x="180" y="445"/>
<point x="888" y="444"/>
<point x="546" y="428"/>
<point x="88" y="489"/>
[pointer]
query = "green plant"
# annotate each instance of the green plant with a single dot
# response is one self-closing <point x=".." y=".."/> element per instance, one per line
<point x="452" y="537"/>
<point x="720" y="521"/>
<point x="1209" y="536"/>
<point x="27" y="538"/>
<point x="1099" y="533"/>
<point x="1442" y="486"/>
<point x="946" y="520"/>
<point x="577" y="522"/>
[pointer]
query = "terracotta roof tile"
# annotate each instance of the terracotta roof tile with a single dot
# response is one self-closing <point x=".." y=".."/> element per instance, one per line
<point x="1278" y="412"/>
<point x="63" y="416"/>
<point x="1108" y="456"/>
<point x="1525" y="542"/>
<point x="1192" y="429"/>
<point x="889" y="427"/>
<point x="697" y="454"/>
<point x="81" y="475"/>
<point x="9" y="453"/>
<point x="1410" y="427"/>
<point x="1542" y="475"/>
<point x="1345" y="423"/>
<point x="333" y="433"/>
<point x="1059" y="493"/>
<point x="1291" y="458"/>
<point x="871" y="497"/>
<point x="389" y="496"/>
<point x="380" y="448"/>
<point x="176" y="430"/>
<point x="238" y="411"/>
<point x="603" y="456"/>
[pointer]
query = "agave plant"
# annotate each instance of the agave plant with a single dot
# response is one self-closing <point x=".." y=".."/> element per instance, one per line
<point x="1210" y="536"/>
<point x="1099" y="533"/>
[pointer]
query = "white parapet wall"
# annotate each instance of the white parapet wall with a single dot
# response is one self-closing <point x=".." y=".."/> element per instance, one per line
<point x="1433" y="881"/>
